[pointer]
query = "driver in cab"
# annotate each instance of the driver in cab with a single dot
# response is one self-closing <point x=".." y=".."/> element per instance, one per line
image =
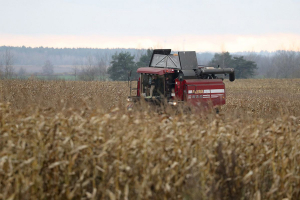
<point x="153" y="84"/>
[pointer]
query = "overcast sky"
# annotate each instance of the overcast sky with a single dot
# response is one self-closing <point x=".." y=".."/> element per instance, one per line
<point x="203" y="25"/>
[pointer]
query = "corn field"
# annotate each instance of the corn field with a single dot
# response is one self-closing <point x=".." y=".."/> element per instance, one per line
<point x="74" y="140"/>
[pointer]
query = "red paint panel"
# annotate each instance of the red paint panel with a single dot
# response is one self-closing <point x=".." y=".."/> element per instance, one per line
<point x="179" y="89"/>
<point x="205" y="91"/>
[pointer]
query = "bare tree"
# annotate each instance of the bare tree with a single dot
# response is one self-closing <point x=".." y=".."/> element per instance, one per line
<point x="75" y="70"/>
<point x="297" y="73"/>
<point x="48" y="68"/>
<point x="265" y="67"/>
<point x="285" y="62"/>
<point x="1" y="69"/>
<point x="101" y="68"/>
<point x="21" y="73"/>
<point x="8" y="70"/>
<point x="89" y="71"/>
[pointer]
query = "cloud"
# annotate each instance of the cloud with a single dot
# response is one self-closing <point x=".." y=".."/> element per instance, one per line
<point x="214" y="43"/>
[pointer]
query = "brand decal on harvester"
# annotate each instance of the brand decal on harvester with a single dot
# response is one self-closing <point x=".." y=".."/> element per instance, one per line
<point x="206" y="91"/>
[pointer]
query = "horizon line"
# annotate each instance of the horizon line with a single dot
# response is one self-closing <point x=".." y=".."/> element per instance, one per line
<point x="198" y="43"/>
<point x="133" y="48"/>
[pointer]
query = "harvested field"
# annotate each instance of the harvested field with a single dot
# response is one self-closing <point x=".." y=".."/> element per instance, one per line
<point x="74" y="140"/>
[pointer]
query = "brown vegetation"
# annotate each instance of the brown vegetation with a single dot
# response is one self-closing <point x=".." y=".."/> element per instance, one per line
<point x="74" y="140"/>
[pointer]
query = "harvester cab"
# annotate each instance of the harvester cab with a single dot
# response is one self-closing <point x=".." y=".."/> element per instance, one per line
<point x="177" y="78"/>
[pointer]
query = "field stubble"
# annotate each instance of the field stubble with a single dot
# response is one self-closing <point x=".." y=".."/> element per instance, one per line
<point x="74" y="140"/>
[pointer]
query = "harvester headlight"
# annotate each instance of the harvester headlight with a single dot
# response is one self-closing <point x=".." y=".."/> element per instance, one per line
<point x="173" y="103"/>
<point x="129" y="99"/>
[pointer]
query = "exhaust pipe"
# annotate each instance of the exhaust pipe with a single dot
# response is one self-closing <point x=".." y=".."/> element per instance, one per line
<point x="232" y="76"/>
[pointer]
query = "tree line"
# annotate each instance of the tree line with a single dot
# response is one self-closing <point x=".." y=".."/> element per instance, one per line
<point x="243" y="68"/>
<point x="64" y="56"/>
<point x="123" y="62"/>
<point x="113" y="64"/>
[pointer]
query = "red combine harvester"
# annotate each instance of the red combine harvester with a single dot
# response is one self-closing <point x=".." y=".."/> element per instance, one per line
<point x="177" y="78"/>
